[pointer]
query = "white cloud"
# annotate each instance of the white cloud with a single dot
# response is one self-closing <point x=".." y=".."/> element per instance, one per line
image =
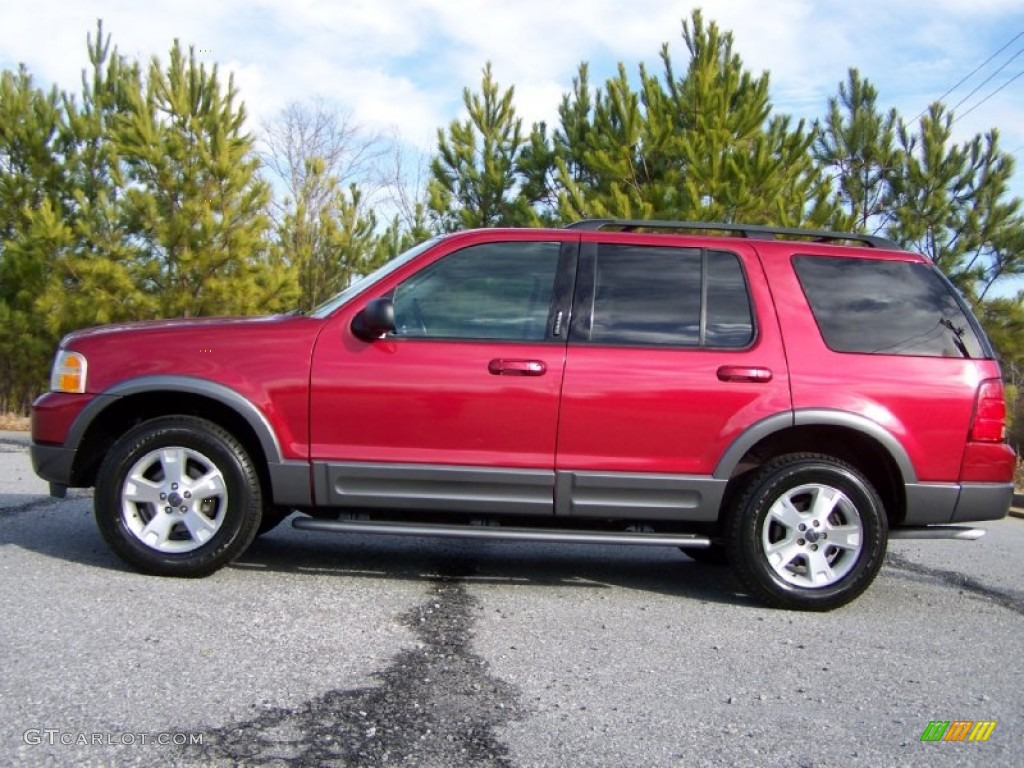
<point x="404" y="63"/>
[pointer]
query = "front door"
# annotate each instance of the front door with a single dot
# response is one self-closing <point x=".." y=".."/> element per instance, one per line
<point x="457" y="409"/>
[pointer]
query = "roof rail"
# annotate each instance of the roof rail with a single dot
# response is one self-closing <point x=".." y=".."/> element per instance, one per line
<point x="739" y="230"/>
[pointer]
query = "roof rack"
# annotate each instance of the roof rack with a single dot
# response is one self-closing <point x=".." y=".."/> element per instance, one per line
<point x="739" y="230"/>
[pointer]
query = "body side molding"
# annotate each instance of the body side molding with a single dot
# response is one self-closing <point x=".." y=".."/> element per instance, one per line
<point x="638" y="496"/>
<point x="433" y="487"/>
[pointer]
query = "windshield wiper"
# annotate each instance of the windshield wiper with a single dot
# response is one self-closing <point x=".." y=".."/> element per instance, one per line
<point x="958" y="336"/>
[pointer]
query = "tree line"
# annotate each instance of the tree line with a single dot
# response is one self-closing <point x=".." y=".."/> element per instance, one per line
<point x="144" y="195"/>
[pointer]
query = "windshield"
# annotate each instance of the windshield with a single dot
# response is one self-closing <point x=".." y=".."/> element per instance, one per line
<point x="363" y="283"/>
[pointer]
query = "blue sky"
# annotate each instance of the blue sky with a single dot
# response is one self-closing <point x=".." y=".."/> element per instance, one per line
<point x="401" y="65"/>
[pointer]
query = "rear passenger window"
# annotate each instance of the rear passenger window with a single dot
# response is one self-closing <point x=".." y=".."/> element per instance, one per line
<point x="885" y="307"/>
<point x="681" y="297"/>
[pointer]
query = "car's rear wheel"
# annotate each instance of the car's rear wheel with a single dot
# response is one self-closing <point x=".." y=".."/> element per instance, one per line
<point x="178" y="496"/>
<point x="809" y="532"/>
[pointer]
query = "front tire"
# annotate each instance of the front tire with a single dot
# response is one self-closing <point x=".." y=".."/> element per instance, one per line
<point x="808" y="533"/>
<point x="714" y="555"/>
<point x="178" y="496"/>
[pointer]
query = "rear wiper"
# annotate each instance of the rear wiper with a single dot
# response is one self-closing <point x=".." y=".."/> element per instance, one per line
<point x="958" y="336"/>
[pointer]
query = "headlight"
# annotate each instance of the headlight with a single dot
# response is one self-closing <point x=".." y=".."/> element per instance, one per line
<point x="68" y="372"/>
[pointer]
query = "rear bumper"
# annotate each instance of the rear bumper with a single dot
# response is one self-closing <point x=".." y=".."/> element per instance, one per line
<point x="940" y="504"/>
<point x="983" y="501"/>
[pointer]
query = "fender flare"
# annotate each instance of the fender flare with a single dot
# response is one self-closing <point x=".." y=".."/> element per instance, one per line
<point x="814" y="417"/>
<point x="185" y="384"/>
<point x="290" y="480"/>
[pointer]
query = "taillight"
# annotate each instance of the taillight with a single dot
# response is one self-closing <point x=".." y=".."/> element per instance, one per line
<point x="989" y="425"/>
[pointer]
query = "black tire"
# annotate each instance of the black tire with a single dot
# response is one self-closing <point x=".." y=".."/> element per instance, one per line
<point x="809" y="571"/>
<point x="272" y="517"/>
<point x="144" y="491"/>
<point x="713" y="555"/>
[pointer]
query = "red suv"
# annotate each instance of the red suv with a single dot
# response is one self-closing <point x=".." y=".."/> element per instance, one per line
<point x="786" y="399"/>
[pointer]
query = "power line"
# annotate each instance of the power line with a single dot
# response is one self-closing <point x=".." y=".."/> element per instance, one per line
<point x="1015" y="77"/>
<point x="987" y="79"/>
<point x="972" y="74"/>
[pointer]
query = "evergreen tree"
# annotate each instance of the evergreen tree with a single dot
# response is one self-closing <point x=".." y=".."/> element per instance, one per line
<point x="701" y="146"/>
<point x="31" y="229"/>
<point x="400" y="236"/>
<point x="92" y="279"/>
<point x="194" y="196"/>
<point x="951" y="202"/>
<point x="328" y="236"/>
<point x="475" y="174"/>
<point x="855" y="144"/>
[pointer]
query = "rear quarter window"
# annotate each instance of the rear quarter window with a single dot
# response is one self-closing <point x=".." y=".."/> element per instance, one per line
<point x="874" y="306"/>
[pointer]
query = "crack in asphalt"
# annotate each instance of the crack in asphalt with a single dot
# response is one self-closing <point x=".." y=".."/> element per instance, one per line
<point x="1012" y="600"/>
<point x="436" y="705"/>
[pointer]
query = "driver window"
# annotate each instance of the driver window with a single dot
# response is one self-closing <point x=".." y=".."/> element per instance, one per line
<point x="499" y="291"/>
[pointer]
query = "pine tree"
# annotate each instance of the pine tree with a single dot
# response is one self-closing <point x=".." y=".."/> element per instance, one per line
<point x="32" y="228"/>
<point x="475" y="173"/>
<point x="328" y="236"/>
<point x="701" y="146"/>
<point x="194" y="196"/>
<point x="951" y="202"/>
<point x="855" y="144"/>
<point x="92" y="280"/>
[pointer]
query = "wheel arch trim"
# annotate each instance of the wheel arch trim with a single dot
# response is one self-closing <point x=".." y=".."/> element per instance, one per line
<point x="241" y="405"/>
<point x="806" y="417"/>
<point x="289" y="479"/>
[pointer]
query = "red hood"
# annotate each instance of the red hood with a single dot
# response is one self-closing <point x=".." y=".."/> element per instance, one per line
<point x="170" y="324"/>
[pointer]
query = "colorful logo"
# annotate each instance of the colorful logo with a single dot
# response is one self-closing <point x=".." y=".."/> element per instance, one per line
<point x="958" y="730"/>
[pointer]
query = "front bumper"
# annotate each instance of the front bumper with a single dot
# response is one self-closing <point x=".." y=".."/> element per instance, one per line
<point x="53" y="463"/>
<point x="56" y="432"/>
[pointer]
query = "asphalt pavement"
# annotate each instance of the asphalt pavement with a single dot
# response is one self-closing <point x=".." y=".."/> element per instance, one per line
<point x="317" y="650"/>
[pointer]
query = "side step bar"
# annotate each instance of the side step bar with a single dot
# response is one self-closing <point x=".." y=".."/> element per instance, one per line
<point x="500" y="532"/>
<point x="960" y="532"/>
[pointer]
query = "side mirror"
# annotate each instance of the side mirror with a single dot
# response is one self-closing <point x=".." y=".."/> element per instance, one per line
<point x="374" y="320"/>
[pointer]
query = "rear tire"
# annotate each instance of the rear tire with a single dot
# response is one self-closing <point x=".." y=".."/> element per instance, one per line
<point x="178" y="496"/>
<point x="809" y="532"/>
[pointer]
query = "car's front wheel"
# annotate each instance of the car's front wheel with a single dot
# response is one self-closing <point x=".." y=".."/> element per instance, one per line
<point x="809" y="532"/>
<point x="178" y="496"/>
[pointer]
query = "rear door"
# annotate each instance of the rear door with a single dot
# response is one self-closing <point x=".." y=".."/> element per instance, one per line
<point x="673" y="352"/>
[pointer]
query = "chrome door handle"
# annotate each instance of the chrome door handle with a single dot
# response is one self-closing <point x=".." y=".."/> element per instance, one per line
<point x="749" y="373"/>
<point x="500" y="367"/>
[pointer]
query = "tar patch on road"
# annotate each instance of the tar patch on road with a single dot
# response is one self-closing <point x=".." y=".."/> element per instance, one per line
<point x="436" y="705"/>
<point x="1013" y="601"/>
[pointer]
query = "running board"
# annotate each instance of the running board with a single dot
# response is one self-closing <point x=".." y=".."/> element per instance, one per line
<point x="690" y="540"/>
<point x="938" y="532"/>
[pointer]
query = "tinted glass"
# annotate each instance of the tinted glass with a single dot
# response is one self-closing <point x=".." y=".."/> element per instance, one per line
<point x="730" y="323"/>
<point x="652" y="295"/>
<point x="646" y="296"/>
<point x="489" y="291"/>
<point x="885" y="307"/>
